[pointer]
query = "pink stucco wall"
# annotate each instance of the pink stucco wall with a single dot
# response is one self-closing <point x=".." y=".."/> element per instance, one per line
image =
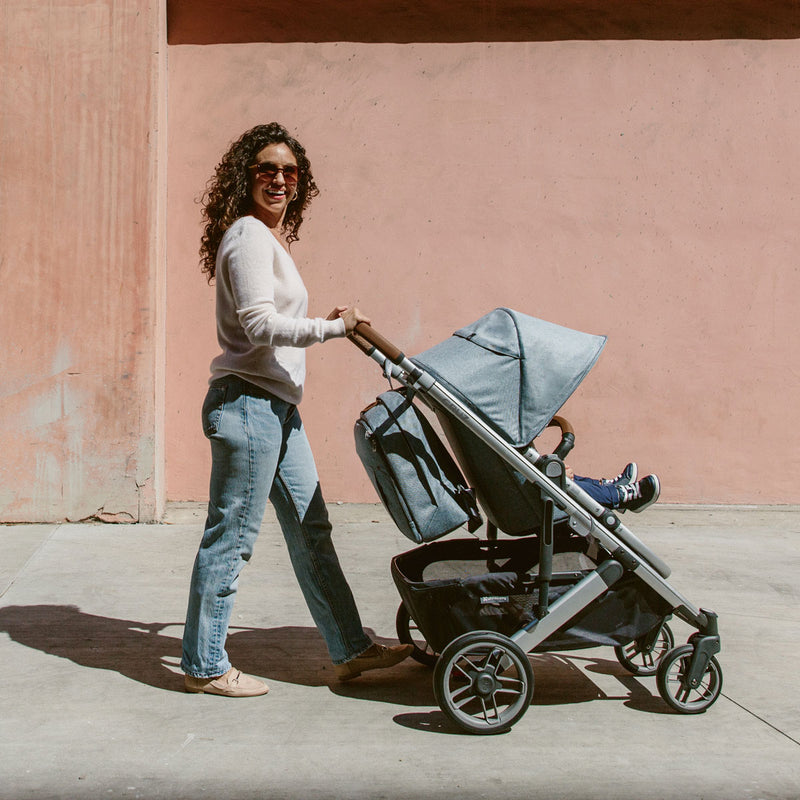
<point x="642" y="189"/>
<point x="81" y="259"/>
<point x="618" y="168"/>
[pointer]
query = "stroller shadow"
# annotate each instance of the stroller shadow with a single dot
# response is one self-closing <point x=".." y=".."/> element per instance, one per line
<point x="559" y="680"/>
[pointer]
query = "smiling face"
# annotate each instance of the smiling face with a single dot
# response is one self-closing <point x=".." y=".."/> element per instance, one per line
<point x="273" y="189"/>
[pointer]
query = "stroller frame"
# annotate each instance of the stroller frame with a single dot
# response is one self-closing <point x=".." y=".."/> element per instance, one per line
<point x="689" y="677"/>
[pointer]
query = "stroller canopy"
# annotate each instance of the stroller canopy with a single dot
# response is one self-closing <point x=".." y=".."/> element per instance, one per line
<point x="513" y="370"/>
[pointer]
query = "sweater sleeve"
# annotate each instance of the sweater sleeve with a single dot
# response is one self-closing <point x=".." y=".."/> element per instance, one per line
<point x="256" y="279"/>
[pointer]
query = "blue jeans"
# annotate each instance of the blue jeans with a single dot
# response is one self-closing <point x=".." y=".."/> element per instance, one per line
<point x="259" y="450"/>
<point x="604" y="493"/>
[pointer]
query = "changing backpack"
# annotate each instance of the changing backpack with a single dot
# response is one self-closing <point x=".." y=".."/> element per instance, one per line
<point x="419" y="483"/>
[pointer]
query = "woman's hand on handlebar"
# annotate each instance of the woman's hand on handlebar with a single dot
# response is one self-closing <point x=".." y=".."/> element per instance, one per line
<point x="351" y="316"/>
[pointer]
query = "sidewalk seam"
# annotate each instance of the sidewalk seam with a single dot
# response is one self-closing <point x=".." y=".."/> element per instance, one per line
<point x="33" y="555"/>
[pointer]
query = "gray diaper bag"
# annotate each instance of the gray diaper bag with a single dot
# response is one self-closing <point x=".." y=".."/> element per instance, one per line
<point x="416" y="478"/>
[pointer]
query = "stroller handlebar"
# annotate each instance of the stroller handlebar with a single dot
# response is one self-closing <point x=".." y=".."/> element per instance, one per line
<point x="367" y="339"/>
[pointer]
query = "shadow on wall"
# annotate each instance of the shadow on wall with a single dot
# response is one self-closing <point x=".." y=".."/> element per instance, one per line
<point x="446" y="21"/>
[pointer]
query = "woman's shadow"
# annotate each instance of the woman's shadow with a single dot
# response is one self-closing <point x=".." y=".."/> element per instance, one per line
<point x="140" y="651"/>
<point x="149" y="652"/>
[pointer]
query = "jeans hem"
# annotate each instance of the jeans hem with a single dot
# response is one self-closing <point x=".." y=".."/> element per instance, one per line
<point x="215" y="674"/>
<point x="359" y="653"/>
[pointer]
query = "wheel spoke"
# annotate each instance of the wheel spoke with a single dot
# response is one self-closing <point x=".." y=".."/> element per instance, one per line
<point x="462" y="690"/>
<point x="496" y="709"/>
<point x="471" y="662"/>
<point x="510" y="684"/>
<point x="493" y="659"/>
<point x="459" y="704"/>
<point x="463" y="671"/>
<point x="487" y="716"/>
<point x="683" y="694"/>
<point x="703" y="689"/>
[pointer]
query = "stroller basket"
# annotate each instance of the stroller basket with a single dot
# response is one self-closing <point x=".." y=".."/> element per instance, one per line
<point x="461" y="585"/>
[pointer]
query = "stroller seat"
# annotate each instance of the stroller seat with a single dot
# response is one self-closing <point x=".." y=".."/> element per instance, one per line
<point x="511" y="504"/>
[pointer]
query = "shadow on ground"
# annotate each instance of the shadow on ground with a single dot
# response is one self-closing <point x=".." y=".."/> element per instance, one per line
<point x="144" y="652"/>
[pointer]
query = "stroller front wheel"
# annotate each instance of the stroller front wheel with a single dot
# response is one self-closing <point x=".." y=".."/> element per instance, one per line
<point x="674" y="686"/>
<point x="483" y="681"/>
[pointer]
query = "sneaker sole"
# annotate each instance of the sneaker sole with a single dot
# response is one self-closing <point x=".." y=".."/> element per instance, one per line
<point x="652" y="500"/>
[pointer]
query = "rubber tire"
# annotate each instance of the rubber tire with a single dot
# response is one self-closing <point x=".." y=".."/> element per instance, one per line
<point x="669" y="681"/>
<point x="483" y="647"/>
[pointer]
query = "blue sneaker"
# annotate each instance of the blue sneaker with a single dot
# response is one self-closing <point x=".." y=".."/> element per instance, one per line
<point x="639" y="496"/>
<point x="626" y="477"/>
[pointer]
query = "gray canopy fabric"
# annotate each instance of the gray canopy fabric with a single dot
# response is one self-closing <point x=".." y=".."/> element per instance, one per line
<point x="515" y="371"/>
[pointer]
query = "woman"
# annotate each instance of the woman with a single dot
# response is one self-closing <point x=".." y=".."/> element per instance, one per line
<point x="253" y="209"/>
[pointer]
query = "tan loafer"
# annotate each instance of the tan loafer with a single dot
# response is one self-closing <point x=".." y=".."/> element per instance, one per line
<point x="234" y="683"/>
<point x="377" y="657"/>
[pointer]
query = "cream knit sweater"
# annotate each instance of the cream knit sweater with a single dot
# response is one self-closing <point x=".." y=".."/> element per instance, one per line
<point x="262" y="302"/>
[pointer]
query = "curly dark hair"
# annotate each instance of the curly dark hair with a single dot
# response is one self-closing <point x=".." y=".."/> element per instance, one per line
<point x="227" y="195"/>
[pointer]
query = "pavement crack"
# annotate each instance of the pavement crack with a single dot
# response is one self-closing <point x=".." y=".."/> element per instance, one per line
<point x="761" y="719"/>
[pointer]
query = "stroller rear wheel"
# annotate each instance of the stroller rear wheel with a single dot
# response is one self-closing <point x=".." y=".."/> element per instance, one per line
<point x="409" y="633"/>
<point x="483" y="681"/>
<point x="673" y="683"/>
<point x="642" y="655"/>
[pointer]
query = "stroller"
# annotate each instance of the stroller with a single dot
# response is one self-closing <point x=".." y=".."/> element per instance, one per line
<point x="569" y="576"/>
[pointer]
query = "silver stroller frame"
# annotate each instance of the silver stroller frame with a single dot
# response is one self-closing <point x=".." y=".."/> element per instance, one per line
<point x="473" y="683"/>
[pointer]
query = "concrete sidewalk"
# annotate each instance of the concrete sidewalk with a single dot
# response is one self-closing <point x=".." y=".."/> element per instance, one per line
<point x="90" y="626"/>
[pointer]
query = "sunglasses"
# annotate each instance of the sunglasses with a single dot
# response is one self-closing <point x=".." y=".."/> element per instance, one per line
<point x="266" y="171"/>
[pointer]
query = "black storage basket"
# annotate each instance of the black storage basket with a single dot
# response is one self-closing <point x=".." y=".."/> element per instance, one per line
<point x="461" y="585"/>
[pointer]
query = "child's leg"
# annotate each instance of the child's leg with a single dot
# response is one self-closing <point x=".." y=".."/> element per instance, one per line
<point x="607" y="494"/>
